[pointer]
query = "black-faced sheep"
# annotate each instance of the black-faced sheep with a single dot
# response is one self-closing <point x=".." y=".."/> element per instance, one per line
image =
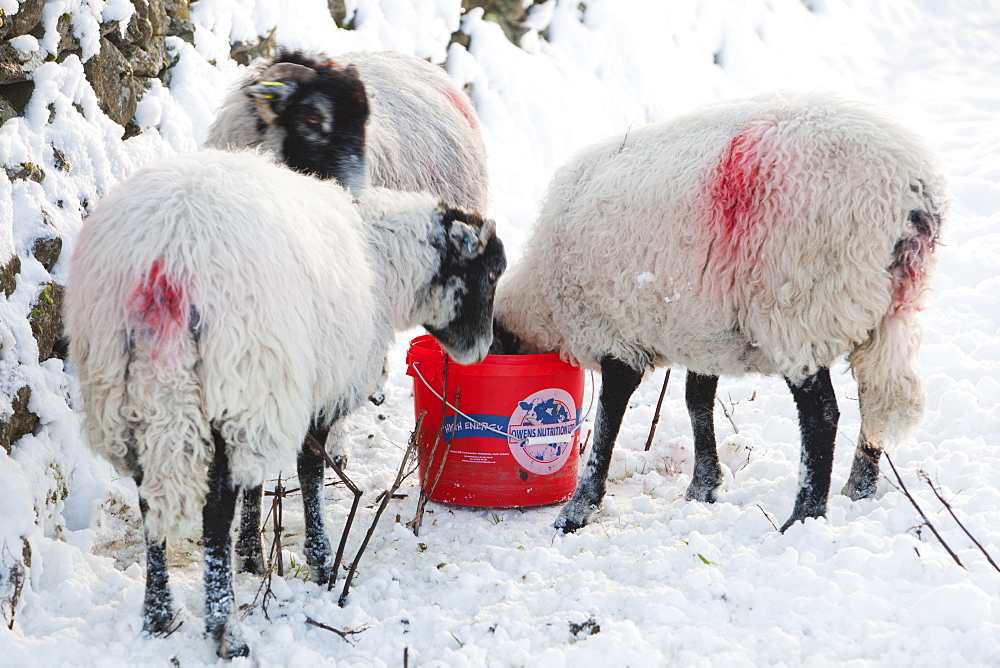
<point x="767" y="235"/>
<point x="422" y="135"/>
<point x="423" y="132"/>
<point x="220" y="306"/>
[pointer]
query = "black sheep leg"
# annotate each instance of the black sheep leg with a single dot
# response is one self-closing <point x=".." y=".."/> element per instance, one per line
<point x="249" y="553"/>
<point x="157" y="606"/>
<point x="217" y="519"/>
<point x="864" y="470"/>
<point x="699" y="393"/>
<point x="618" y="382"/>
<point x="818" y="416"/>
<point x="319" y="554"/>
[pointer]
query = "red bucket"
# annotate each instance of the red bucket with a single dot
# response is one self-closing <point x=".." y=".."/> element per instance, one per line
<point x="513" y="440"/>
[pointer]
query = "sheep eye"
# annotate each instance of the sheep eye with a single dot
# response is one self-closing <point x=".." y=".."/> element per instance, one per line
<point x="493" y="276"/>
<point x="313" y="119"/>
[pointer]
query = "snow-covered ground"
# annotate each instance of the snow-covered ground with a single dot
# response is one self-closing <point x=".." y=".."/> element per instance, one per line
<point x="667" y="582"/>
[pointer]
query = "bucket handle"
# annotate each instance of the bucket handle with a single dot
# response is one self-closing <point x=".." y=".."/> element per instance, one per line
<point x="483" y="425"/>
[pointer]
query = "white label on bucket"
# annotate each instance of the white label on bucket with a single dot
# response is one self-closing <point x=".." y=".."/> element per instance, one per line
<point x="541" y="430"/>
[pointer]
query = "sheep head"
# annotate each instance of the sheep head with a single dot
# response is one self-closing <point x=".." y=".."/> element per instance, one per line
<point x="472" y="260"/>
<point x="313" y="115"/>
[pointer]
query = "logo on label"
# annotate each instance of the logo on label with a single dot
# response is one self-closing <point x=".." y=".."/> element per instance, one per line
<point x="541" y="430"/>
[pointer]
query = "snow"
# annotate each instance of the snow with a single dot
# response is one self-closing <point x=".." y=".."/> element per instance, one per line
<point x="666" y="581"/>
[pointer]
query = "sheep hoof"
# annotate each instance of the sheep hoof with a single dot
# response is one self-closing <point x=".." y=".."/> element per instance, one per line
<point x="803" y="512"/>
<point x="230" y="644"/>
<point x="573" y="517"/>
<point x="157" y="613"/>
<point x="856" y="491"/>
<point x="863" y="480"/>
<point x="700" y="491"/>
<point x="321" y="575"/>
<point x="253" y="565"/>
<point x="158" y="622"/>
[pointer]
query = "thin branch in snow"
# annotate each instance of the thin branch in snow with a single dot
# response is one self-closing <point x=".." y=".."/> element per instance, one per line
<point x="947" y="505"/>
<point x="401" y="475"/>
<point x="320" y="449"/>
<point x="11" y="584"/>
<point x="656" y="414"/>
<point x="768" y="517"/>
<point x="902" y="487"/>
<point x="425" y="491"/>
<point x="345" y="635"/>
<point x="729" y="416"/>
<point x="277" y="519"/>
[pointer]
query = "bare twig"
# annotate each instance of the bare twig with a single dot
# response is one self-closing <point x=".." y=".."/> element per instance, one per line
<point x="902" y="487"/>
<point x="447" y="449"/>
<point x="768" y="517"/>
<point x="11" y="584"/>
<point x="343" y="634"/>
<point x="320" y="449"/>
<point x="729" y="416"/>
<point x="586" y="441"/>
<point x="425" y="490"/>
<point x="424" y="496"/>
<point x="264" y="593"/>
<point x="400" y="476"/>
<point x="656" y="414"/>
<point x="957" y="521"/>
<point x="276" y="516"/>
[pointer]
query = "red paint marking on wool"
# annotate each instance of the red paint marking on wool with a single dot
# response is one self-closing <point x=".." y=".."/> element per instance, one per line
<point x="159" y="306"/>
<point x="738" y="186"/>
<point x="461" y="103"/>
<point x="909" y="275"/>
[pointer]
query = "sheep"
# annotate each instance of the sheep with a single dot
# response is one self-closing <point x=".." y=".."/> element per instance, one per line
<point x="766" y="235"/>
<point x="221" y="306"/>
<point x="423" y="132"/>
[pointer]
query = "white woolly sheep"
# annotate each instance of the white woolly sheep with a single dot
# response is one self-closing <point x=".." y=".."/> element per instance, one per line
<point x="213" y="324"/>
<point x="423" y="132"/>
<point x="422" y="135"/>
<point x="766" y="235"/>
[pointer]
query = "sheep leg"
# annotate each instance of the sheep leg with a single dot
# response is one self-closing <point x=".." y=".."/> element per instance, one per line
<point x="699" y="392"/>
<point x="319" y="554"/>
<point x="157" y="606"/>
<point x="249" y="553"/>
<point x="217" y="519"/>
<point x="618" y="382"/>
<point x="818" y="416"/>
<point x="863" y="480"/>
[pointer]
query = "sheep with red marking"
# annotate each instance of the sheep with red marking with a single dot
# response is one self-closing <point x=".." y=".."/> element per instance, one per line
<point x="214" y="324"/>
<point x="384" y="119"/>
<point x="768" y="235"/>
<point x="423" y="132"/>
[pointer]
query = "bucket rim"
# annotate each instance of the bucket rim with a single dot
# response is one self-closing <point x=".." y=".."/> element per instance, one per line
<point x="425" y="348"/>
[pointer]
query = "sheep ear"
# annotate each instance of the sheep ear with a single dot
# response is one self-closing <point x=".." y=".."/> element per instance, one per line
<point x="465" y="238"/>
<point x="277" y="85"/>
<point x="270" y="97"/>
<point x="469" y="232"/>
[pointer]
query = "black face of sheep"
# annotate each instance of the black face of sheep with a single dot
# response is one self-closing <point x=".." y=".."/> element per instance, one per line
<point x="316" y="113"/>
<point x="472" y="261"/>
